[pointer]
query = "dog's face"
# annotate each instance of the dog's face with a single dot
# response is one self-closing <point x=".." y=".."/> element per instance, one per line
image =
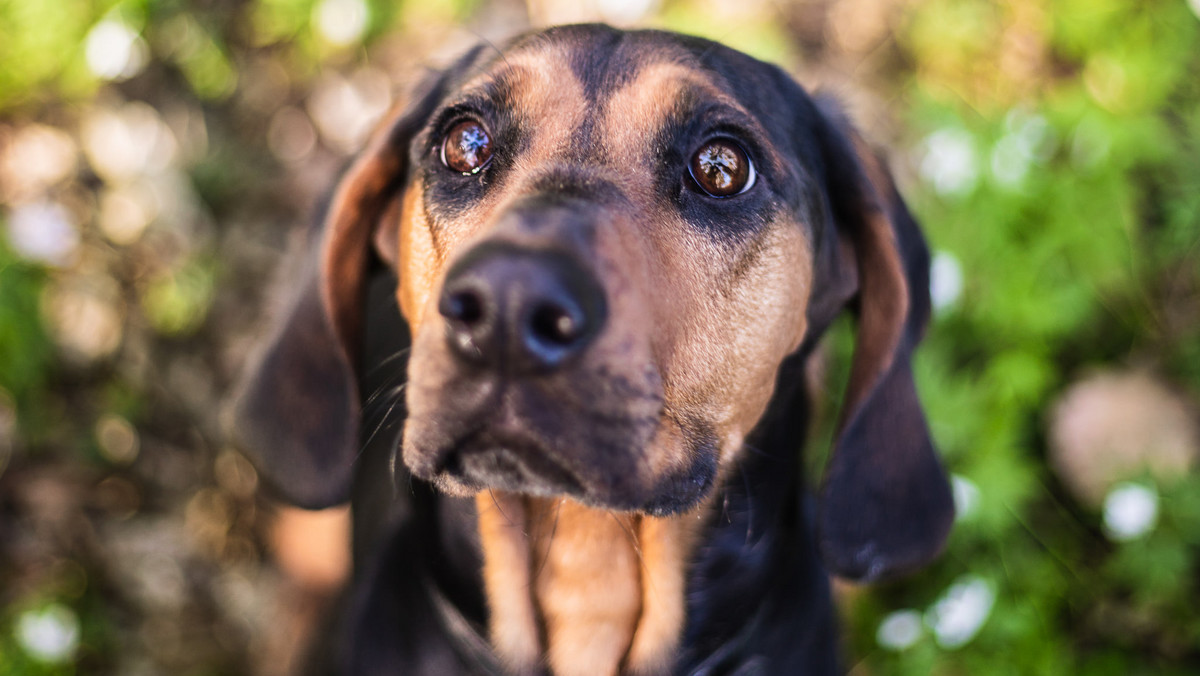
<point x="605" y="253"/>
<point x="607" y="243"/>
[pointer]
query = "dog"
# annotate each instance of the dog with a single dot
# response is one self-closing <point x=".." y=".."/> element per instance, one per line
<point x="611" y="254"/>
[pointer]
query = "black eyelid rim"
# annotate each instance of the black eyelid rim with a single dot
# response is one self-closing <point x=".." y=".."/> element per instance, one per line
<point x="719" y="120"/>
<point x="446" y="122"/>
<point x="471" y="108"/>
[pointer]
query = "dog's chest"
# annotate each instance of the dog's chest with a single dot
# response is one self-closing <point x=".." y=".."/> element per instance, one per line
<point x="582" y="590"/>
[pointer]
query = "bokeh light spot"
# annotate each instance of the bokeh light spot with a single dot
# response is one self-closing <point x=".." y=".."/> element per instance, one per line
<point x="115" y="51"/>
<point x="949" y="161"/>
<point x="85" y="319"/>
<point x="117" y="438"/>
<point x="291" y="136"/>
<point x="341" y="22"/>
<point x="44" y="232"/>
<point x="945" y="281"/>
<point x="36" y="157"/>
<point x="900" y="630"/>
<point x="1130" y="512"/>
<point x="960" y="613"/>
<point x="50" y="634"/>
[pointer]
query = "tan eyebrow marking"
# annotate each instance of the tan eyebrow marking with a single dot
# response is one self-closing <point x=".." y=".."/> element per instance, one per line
<point x="540" y="87"/>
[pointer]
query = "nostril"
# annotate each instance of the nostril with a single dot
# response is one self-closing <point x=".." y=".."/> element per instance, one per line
<point x="518" y="310"/>
<point x="556" y="325"/>
<point x="464" y="306"/>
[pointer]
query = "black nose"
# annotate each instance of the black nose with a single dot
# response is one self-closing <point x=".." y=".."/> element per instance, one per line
<point x="520" y="310"/>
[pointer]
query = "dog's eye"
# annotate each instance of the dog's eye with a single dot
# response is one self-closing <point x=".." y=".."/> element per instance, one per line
<point x="467" y="148"/>
<point x="722" y="169"/>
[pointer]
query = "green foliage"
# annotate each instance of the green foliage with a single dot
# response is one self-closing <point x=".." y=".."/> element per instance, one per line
<point x="25" y="353"/>
<point x="1072" y="208"/>
<point x="177" y="302"/>
<point x="1069" y="259"/>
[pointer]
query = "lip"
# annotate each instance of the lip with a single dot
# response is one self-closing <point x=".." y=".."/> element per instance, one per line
<point x="487" y="459"/>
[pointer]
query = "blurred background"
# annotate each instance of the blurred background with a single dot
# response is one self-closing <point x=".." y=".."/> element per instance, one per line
<point x="156" y="156"/>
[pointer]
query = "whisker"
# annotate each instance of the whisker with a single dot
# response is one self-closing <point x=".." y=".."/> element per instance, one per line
<point x="633" y="541"/>
<point x="637" y="549"/>
<point x="749" y="504"/>
<point x="550" y="540"/>
<point x="389" y="381"/>
<point x="496" y="504"/>
<point x="759" y="452"/>
<point x="384" y="399"/>
<point x="383" y="422"/>
<point x="384" y="391"/>
<point x="388" y="360"/>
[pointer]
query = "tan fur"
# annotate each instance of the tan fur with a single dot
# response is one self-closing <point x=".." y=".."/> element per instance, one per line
<point x="591" y="591"/>
<point x="884" y="291"/>
<point x="719" y="358"/>
<point x="587" y="585"/>
<point x="666" y="544"/>
<point x="416" y="249"/>
<point x="425" y="246"/>
<point x="599" y="592"/>
<point x="513" y="625"/>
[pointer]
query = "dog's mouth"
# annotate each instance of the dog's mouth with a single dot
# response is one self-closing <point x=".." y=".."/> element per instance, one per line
<point x="509" y="462"/>
<point x="599" y="432"/>
<point x="600" y="466"/>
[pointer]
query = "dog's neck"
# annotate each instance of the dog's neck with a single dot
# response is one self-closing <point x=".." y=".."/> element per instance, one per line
<point x="593" y="591"/>
<point x="589" y="591"/>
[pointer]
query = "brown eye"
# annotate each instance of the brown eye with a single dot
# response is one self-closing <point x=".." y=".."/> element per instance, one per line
<point x="721" y="168"/>
<point x="467" y="148"/>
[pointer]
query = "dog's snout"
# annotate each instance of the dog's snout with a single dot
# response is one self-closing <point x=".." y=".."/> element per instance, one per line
<point x="520" y="310"/>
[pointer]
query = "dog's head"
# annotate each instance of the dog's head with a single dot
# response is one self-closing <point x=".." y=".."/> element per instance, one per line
<point x="607" y="243"/>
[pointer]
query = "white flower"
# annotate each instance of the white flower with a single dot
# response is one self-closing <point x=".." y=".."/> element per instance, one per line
<point x="949" y="161"/>
<point x="959" y="615"/>
<point x="966" y="496"/>
<point x="900" y="630"/>
<point x="1195" y="5"/>
<point x="49" y="635"/>
<point x="1130" y="511"/>
<point x="945" y="280"/>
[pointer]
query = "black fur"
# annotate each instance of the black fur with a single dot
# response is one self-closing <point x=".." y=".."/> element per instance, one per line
<point x="758" y="598"/>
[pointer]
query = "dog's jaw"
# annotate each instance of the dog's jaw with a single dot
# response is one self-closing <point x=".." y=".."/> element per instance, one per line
<point x="598" y="433"/>
<point x="484" y="458"/>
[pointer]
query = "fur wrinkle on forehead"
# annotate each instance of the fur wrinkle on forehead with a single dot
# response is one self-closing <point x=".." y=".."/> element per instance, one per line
<point x="600" y="61"/>
<point x="653" y="98"/>
<point x="500" y="84"/>
<point x="528" y="78"/>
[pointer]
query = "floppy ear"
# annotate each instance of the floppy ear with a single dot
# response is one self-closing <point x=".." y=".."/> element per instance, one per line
<point x="297" y="412"/>
<point x="885" y="505"/>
